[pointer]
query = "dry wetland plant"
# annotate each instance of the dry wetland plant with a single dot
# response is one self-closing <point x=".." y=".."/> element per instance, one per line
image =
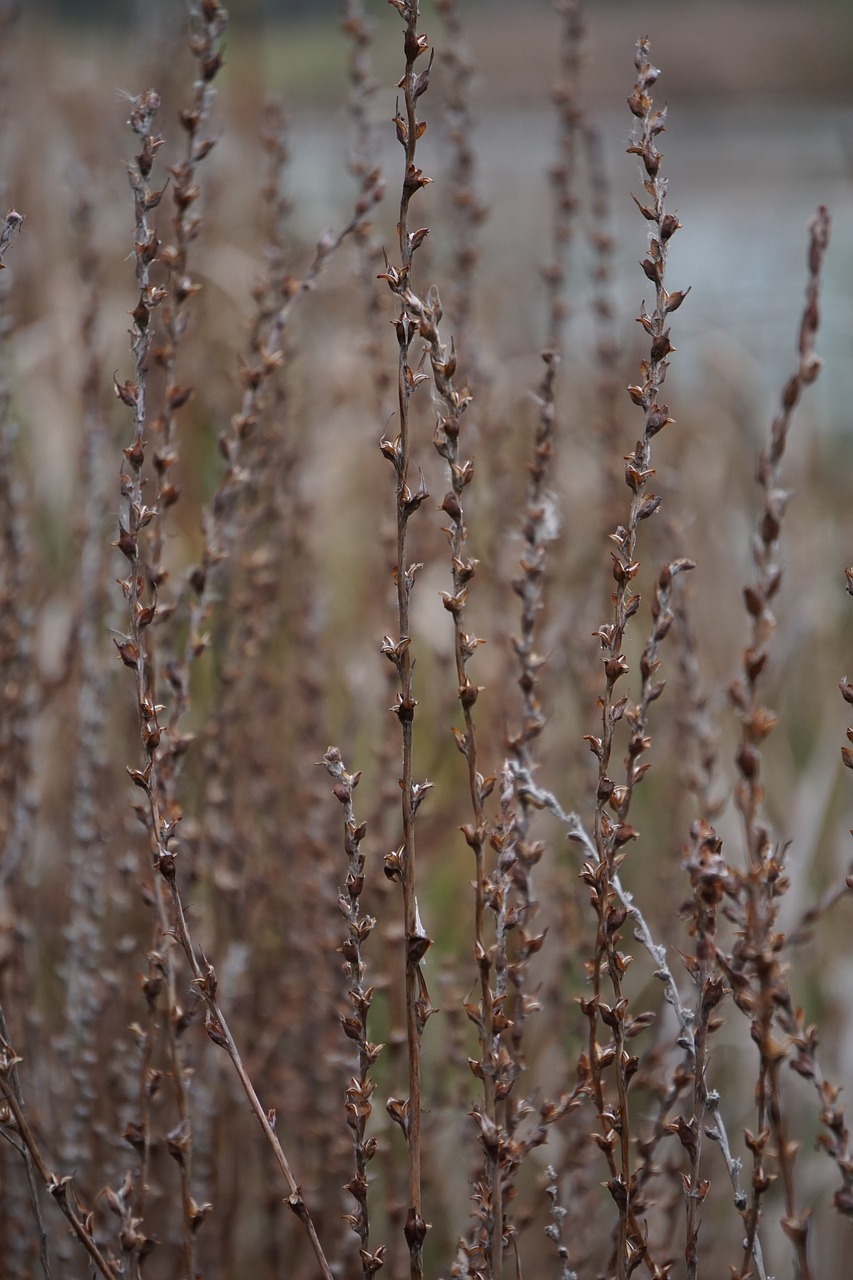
<point x="537" y="973"/>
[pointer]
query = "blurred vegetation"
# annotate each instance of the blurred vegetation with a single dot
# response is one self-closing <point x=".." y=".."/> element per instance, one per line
<point x="297" y="615"/>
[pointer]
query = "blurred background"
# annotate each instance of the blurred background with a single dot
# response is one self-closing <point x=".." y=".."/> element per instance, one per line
<point x="760" y="132"/>
<point x="761" y="92"/>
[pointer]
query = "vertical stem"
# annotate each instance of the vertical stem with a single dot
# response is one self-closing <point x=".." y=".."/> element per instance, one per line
<point x="402" y="865"/>
<point x="612" y="830"/>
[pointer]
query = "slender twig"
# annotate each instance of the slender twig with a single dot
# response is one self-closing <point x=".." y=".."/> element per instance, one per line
<point x="755" y="957"/>
<point x="18" y="691"/>
<point x="718" y="1133"/>
<point x="566" y="96"/>
<point x="216" y="1025"/>
<point x="162" y="823"/>
<point x="61" y="1188"/>
<point x="613" y="836"/>
<point x="469" y="211"/>
<point x="555" y="1230"/>
<point x="361" y="1087"/>
<point x="12" y="1083"/>
<point x="402" y="864"/>
<point x="140" y="590"/>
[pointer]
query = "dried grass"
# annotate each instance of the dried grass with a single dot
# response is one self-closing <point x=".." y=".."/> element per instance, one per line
<point x="548" y="1003"/>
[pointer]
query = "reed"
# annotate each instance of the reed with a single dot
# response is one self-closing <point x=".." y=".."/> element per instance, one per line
<point x="552" y="999"/>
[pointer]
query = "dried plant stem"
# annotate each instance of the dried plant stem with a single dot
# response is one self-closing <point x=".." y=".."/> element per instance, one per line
<point x="140" y="591"/>
<point x="564" y="172"/>
<point x="701" y="767"/>
<point x="704" y="865"/>
<point x="424" y="315"/>
<point x="364" y="165"/>
<point x="10" y="1082"/>
<point x="204" y="982"/>
<point x="402" y="865"/>
<point x="539" y="530"/>
<point x="450" y="405"/>
<point x="719" y="1134"/>
<point x="469" y="211"/>
<point x="756" y="721"/>
<point x="763" y="884"/>
<point x="84" y="1004"/>
<point x="611" y="836"/>
<point x="161" y="823"/>
<point x="509" y="891"/>
<point x="357" y="28"/>
<point x="208" y="20"/>
<point x="61" y="1189"/>
<point x="360" y="1088"/>
<point x="607" y="348"/>
<point x="18" y="690"/>
<point x="9" y="228"/>
<point x="555" y="1230"/>
<point x="208" y="23"/>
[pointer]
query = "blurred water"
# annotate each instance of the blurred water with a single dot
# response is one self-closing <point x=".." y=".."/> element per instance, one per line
<point x="745" y="182"/>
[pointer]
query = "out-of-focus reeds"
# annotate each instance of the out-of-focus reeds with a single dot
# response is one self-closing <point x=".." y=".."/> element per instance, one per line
<point x="552" y="1002"/>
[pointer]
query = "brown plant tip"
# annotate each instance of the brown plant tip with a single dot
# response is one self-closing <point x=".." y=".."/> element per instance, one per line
<point x="9" y="227"/>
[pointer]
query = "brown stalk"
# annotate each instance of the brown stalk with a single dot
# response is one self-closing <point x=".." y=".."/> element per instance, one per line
<point x="696" y="724"/>
<point x="564" y="172"/>
<point x="208" y="23"/>
<point x="539" y="530"/>
<point x="61" y="1189"/>
<point x="11" y="1083"/>
<point x="81" y="1046"/>
<point x="607" y="346"/>
<point x="402" y="864"/>
<point x="450" y="404"/>
<point x="161" y="739"/>
<point x="756" y="721"/>
<point x="469" y="212"/>
<point x="134" y="653"/>
<point x="708" y="875"/>
<point x="364" y="165"/>
<point x="360" y="1088"/>
<point x="761" y="988"/>
<point x="132" y="648"/>
<point x="18" y="692"/>
<point x="835" y="1139"/>
<point x="611" y="836"/>
<point x="204" y="982"/>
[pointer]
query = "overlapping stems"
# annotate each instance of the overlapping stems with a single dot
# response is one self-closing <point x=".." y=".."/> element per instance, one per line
<point x="612" y="831"/>
<point x="757" y="976"/>
<point x="80" y="1219"/>
<point x="140" y="592"/>
<point x="140" y="587"/>
<point x="165" y="744"/>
